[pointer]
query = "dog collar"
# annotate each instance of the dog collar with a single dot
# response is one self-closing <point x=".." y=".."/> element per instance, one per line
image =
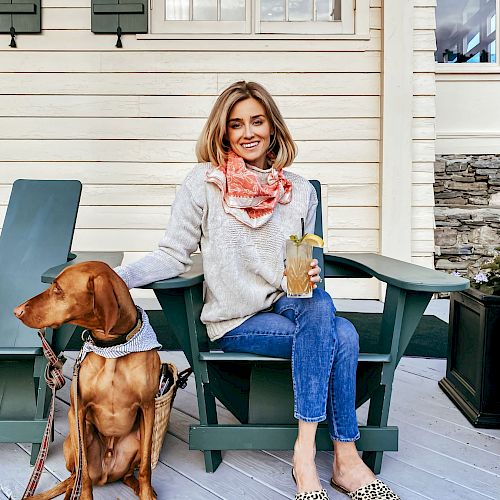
<point x="121" y="339"/>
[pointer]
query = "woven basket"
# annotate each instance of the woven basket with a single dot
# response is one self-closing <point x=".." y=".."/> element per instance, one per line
<point x="163" y="406"/>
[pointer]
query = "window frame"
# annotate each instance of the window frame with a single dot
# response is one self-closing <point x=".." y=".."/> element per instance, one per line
<point x="355" y="15"/>
<point x="478" y="67"/>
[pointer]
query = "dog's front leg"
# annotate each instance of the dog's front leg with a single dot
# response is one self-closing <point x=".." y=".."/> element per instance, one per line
<point x="73" y="429"/>
<point x="146" y="491"/>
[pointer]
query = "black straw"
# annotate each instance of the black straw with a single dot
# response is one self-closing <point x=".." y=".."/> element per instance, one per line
<point x="302" y="224"/>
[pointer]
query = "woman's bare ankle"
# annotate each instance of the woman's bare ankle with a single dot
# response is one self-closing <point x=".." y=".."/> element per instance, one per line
<point x="304" y="467"/>
<point x="349" y="471"/>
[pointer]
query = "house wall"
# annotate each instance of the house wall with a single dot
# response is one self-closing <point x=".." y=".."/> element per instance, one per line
<point x="125" y="122"/>
<point x="467" y="166"/>
<point x="468" y="110"/>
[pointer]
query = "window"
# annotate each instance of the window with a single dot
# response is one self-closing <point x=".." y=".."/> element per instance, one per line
<point x="252" y="17"/>
<point x="466" y="31"/>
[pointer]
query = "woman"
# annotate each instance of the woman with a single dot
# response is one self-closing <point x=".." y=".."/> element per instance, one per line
<point x="240" y="205"/>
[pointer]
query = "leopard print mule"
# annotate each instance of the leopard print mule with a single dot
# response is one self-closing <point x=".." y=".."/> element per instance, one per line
<point x="310" y="495"/>
<point x="373" y="491"/>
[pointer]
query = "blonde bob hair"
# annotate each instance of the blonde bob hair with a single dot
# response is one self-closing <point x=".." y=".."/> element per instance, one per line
<point x="213" y="145"/>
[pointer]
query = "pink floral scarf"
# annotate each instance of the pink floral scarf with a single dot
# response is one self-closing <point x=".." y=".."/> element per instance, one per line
<point x="244" y="195"/>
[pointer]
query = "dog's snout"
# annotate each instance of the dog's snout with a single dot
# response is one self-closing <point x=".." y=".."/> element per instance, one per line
<point x="19" y="311"/>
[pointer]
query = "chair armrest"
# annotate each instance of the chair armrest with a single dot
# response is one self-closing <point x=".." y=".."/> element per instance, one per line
<point x="393" y="272"/>
<point x="113" y="259"/>
<point x="185" y="280"/>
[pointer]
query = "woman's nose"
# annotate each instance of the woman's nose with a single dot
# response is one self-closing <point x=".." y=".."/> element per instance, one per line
<point x="248" y="131"/>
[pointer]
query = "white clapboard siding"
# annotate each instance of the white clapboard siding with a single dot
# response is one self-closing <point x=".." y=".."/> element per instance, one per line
<point x="325" y="129"/>
<point x="422" y="196"/>
<point x="195" y="62"/>
<point x="423" y="260"/>
<point x="329" y="84"/>
<point x="423" y="246"/>
<point x="423" y="235"/>
<point x="116" y="194"/>
<point x="127" y="106"/>
<point x="424" y="150"/>
<point x="424" y="128"/>
<point x="427" y="167"/>
<point x="352" y="287"/>
<point x="173" y="151"/>
<point x="353" y="217"/>
<point x="424" y="18"/>
<point x="423" y="177"/>
<point x="126" y="217"/>
<point x="424" y="133"/>
<point x="108" y="83"/>
<point x="353" y="240"/>
<point x="125" y="195"/>
<point x="423" y="218"/>
<point x="83" y="40"/>
<point x="423" y="61"/>
<point x="424" y="39"/>
<point x="171" y="173"/>
<point x="353" y="195"/>
<point x="424" y="107"/>
<point x="424" y="84"/>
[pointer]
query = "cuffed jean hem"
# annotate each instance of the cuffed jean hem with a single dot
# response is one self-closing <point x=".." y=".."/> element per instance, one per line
<point x="309" y="419"/>
<point x="345" y="440"/>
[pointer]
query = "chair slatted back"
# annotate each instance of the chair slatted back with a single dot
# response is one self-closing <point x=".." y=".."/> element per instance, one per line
<point x="37" y="233"/>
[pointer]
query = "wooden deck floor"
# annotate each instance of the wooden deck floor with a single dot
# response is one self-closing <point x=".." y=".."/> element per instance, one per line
<point x="441" y="456"/>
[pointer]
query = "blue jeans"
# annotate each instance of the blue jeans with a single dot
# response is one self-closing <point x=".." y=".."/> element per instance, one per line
<point x="324" y="352"/>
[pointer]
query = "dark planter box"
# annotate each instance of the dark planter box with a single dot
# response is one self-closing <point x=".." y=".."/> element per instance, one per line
<point x="472" y="379"/>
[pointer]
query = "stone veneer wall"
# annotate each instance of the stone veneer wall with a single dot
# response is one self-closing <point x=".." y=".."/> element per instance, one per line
<point x="467" y="211"/>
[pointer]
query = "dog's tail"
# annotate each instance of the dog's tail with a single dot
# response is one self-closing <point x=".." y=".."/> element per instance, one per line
<point x="57" y="490"/>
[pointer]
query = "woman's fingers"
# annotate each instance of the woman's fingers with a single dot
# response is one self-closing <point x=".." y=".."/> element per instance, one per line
<point x="314" y="273"/>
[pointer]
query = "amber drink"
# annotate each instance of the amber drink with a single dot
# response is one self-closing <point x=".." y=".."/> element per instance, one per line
<point x="298" y="264"/>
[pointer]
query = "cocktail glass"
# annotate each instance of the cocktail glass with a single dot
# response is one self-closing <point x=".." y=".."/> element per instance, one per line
<point x="298" y="263"/>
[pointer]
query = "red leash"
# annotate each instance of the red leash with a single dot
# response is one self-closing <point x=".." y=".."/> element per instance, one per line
<point x="55" y="380"/>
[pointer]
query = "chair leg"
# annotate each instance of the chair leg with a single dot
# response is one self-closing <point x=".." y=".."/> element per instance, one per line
<point x="208" y="415"/>
<point x="378" y="415"/>
<point x="35" y="448"/>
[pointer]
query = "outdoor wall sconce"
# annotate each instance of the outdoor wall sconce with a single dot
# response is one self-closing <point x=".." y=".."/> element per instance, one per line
<point x="120" y="17"/>
<point x="19" y="16"/>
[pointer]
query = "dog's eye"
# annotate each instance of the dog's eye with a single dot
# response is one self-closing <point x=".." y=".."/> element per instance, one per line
<point x="57" y="290"/>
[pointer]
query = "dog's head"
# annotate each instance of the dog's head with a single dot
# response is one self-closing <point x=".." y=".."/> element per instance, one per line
<point x="89" y="294"/>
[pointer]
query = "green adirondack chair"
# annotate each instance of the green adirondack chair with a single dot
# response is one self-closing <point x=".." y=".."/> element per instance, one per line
<point x="36" y="234"/>
<point x="258" y="389"/>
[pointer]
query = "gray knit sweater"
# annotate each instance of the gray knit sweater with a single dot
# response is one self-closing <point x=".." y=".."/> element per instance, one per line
<point x="243" y="267"/>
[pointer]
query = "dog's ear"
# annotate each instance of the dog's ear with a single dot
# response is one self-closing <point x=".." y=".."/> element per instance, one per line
<point x="105" y="302"/>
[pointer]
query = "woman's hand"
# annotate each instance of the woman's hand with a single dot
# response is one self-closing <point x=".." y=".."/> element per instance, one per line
<point x="314" y="273"/>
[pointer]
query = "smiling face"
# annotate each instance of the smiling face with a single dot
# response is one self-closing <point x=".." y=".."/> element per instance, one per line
<point x="249" y="131"/>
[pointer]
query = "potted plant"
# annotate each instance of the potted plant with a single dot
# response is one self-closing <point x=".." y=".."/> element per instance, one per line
<point x="473" y="370"/>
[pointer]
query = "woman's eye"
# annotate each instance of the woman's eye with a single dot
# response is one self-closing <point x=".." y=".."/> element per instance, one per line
<point x="235" y="125"/>
<point x="258" y="122"/>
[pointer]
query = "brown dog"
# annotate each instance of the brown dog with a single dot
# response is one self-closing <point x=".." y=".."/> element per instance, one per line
<point x="115" y="396"/>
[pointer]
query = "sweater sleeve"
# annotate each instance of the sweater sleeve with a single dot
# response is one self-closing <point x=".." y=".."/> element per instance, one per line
<point x="181" y="238"/>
